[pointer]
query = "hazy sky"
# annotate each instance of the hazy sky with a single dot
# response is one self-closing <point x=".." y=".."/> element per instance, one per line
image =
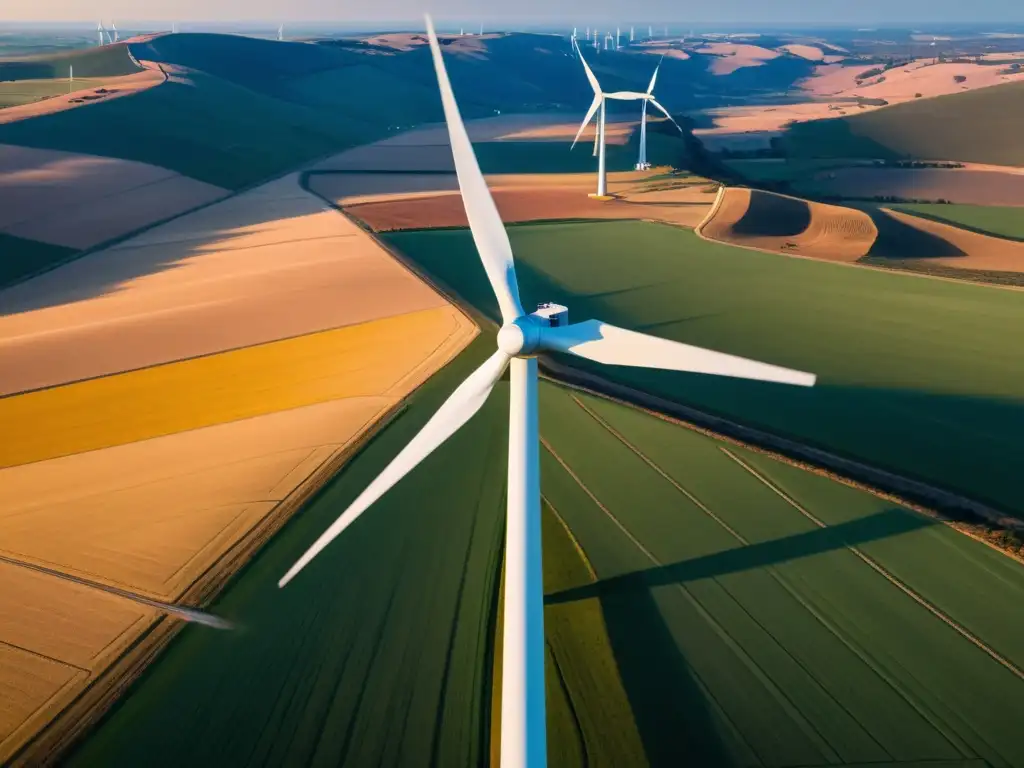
<point x="865" y="12"/>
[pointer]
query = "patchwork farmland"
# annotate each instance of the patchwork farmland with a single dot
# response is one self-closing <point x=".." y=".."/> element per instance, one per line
<point x="705" y="603"/>
<point x="910" y="368"/>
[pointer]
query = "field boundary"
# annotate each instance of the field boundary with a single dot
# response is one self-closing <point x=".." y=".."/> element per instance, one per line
<point x="104" y="692"/>
<point x="937" y="503"/>
<point x="882" y="571"/>
<point x="967" y="278"/>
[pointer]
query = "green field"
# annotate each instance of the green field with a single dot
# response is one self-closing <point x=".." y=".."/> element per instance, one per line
<point x="27" y="91"/>
<point x="208" y="129"/>
<point x="916" y="375"/>
<point x="378" y="654"/>
<point x="1001" y="221"/>
<point x="980" y="126"/>
<point x="786" y="169"/>
<point x="745" y="633"/>
<point x="696" y="614"/>
<point x="108" y="61"/>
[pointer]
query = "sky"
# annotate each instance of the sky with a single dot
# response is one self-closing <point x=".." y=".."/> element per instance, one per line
<point x="807" y="12"/>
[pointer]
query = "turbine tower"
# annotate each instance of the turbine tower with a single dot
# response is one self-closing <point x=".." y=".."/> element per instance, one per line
<point x="113" y="28"/>
<point x="99" y="32"/>
<point x="618" y="34"/>
<point x="642" y="164"/>
<point x="71" y="78"/>
<point x="521" y="338"/>
<point x="650" y="32"/>
<point x="599" y="103"/>
<point x="631" y="37"/>
<point x="280" y="33"/>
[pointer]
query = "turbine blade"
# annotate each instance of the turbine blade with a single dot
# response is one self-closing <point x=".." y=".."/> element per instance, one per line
<point x="608" y="344"/>
<point x="590" y="116"/>
<point x="463" y="403"/>
<point x="665" y="112"/>
<point x="654" y="77"/>
<point x="484" y="221"/>
<point x="626" y="95"/>
<point x="590" y="75"/>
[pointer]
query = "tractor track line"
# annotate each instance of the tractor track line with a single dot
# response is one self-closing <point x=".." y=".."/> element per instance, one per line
<point x="727" y="640"/>
<point x="876" y="566"/>
<point x="782" y="582"/>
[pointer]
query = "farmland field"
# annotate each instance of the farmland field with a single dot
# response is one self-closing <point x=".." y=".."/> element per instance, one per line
<point x="696" y="611"/>
<point x="376" y="654"/>
<point x="974" y="126"/>
<point x="911" y="369"/>
<point x="23" y="257"/>
<point x="1000" y="221"/>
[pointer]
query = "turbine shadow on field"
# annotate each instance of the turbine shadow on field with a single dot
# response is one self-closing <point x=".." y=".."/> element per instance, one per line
<point x="883" y="525"/>
<point x="670" y="710"/>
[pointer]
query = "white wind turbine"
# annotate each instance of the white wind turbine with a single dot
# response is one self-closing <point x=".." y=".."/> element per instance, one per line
<point x="642" y="164"/>
<point x="599" y="102"/>
<point x="99" y="32"/>
<point x="522" y="336"/>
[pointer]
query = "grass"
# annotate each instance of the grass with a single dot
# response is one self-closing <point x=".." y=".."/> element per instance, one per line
<point x="376" y="654"/>
<point x="978" y="126"/>
<point x="239" y="384"/>
<point x="916" y="375"/>
<point x="1000" y="221"/>
<point x="28" y="91"/>
<point x="747" y="634"/>
<point x="790" y="169"/>
<point x="108" y="61"/>
<point x="753" y="636"/>
<point x="20" y="257"/>
<point x="232" y="136"/>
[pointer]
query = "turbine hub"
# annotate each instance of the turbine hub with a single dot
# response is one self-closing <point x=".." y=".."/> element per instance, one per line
<point x="520" y="338"/>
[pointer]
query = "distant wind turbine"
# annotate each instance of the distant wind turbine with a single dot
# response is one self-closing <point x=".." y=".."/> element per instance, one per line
<point x="521" y="338"/>
<point x="631" y="38"/>
<point x="71" y="78"/>
<point x="642" y="164"/>
<point x="650" y="32"/>
<point x="113" y="28"/>
<point x="280" y="33"/>
<point x="618" y="34"/>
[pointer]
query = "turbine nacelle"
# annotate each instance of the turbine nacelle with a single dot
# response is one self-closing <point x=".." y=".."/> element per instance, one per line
<point x="525" y="336"/>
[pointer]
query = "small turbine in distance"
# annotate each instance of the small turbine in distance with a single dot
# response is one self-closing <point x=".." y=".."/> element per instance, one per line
<point x="642" y="164"/>
<point x="599" y="103"/>
<point x="521" y="338"/>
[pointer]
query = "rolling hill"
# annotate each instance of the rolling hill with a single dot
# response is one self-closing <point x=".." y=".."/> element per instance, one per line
<point x="981" y="126"/>
<point x="108" y="61"/>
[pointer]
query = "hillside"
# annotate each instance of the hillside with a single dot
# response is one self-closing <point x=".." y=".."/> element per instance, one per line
<point x="198" y="125"/>
<point x="981" y="126"/>
<point x="108" y="61"/>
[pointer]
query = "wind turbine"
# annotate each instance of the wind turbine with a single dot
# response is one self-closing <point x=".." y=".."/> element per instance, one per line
<point x="113" y="28"/>
<point x="522" y="336"/>
<point x="599" y="102"/>
<point x="71" y="78"/>
<point x="618" y="34"/>
<point x="642" y="164"/>
<point x="280" y="33"/>
<point x="650" y="32"/>
<point x="631" y="37"/>
<point x="99" y="32"/>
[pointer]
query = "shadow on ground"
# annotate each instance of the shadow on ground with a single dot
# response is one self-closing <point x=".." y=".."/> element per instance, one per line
<point x="892" y="522"/>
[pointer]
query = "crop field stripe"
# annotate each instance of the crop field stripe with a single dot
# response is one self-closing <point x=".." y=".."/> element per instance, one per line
<point x="572" y="538"/>
<point x="755" y="670"/>
<point x="868" y="560"/>
<point x="776" y="576"/>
